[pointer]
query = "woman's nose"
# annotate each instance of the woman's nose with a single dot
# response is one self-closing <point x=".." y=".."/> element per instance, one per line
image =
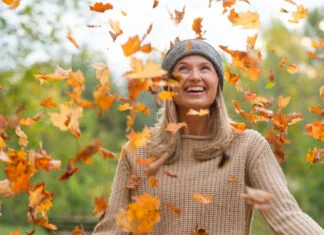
<point x="194" y="75"/>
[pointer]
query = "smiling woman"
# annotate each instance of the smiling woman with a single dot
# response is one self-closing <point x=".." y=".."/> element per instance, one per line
<point x="203" y="169"/>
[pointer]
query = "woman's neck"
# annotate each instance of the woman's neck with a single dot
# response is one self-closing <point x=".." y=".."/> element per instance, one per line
<point x="196" y="125"/>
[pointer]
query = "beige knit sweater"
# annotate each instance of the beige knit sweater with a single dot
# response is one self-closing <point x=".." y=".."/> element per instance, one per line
<point x="252" y="163"/>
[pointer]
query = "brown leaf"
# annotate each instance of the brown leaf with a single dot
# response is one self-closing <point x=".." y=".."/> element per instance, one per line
<point x="155" y="3"/>
<point x="101" y="205"/>
<point x="196" y="26"/>
<point x="70" y="170"/>
<point x="86" y="152"/>
<point x="199" y="231"/>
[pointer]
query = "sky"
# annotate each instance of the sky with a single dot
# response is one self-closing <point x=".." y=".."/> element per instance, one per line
<point x="140" y="14"/>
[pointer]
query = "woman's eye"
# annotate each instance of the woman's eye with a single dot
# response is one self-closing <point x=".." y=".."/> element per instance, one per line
<point x="183" y="68"/>
<point x="205" y="68"/>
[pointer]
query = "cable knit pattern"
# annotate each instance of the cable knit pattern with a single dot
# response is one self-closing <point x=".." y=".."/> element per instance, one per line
<point x="252" y="164"/>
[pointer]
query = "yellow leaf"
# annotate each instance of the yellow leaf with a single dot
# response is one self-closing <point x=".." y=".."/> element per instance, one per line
<point x="201" y="112"/>
<point x="102" y="72"/>
<point x="204" y="199"/>
<point x="166" y="95"/>
<point x="248" y="20"/>
<point x="174" y="127"/>
<point x="292" y="68"/>
<point x="150" y="70"/>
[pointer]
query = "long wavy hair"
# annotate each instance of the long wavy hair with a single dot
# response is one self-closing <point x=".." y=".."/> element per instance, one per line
<point x="164" y="142"/>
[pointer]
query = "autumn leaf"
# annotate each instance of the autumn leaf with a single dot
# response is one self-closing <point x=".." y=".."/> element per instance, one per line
<point x="100" y="7"/>
<point x="70" y="170"/>
<point x="133" y="44"/>
<point x="67" y="119"/>
<point x="316" y="130"/>
<point x="152" y="180"/>
<point x="77" y="231"/>
<point x="133" y="180"/>
<point x="201" y="112"/>
<point x="138" y="139"/>
<point x="116" y="28"/>
<point x="155" y="165"/>
<point x="313" y="156"/>
<point x="102" y="72"/>
<point x="178" y="15"/>
<point x="238" y="127"/>
<point x="299" y="14"/>
<point x="150" y="69"/>
<point x="166" y="95"/>
<point x="48" y="103"/>
<point x="42" y="161"/>
<point x="59" y="74"/>
<point x="173" y="209"/>
<point x="70" y="37"/>
<point x="174" y="127"/>
<point x="101" y="206"/>
<point x="16" y="232"/>
<point x="204" y="199"/>
<point x="199" y="231"/>
<point x="30" y="121"/>
<point x="230" y="77"/>
<point x="86" y="152"/>
<point x="23" y="139"/>
<point x="233" y="179"/>
<point x="283" y="102"/>
<point x="258" y="198"/>
<point x="103" y="98"/>
<point x="317" y="110"/>
<point x="196" y="26"/>
<point x="250" y="42"/>
<point x="141" y="215"/>
<point x="39" y="199"/>
<point x="13" y="4"/>
<point x="106" y="154"/>
<point x="145" y="162"/>
<point x="282" y="61"/>
<point x="292" y="68"/>
<point x="248" y="20"/>
<point x="155" y="3"/>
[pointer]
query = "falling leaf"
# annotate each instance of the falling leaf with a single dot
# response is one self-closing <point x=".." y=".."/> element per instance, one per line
<point x="59" y="74"/>
<point x="23" y="139"/>
<point x="131" y="46"/>
<point x="133" y="180"/>
<point x="282" y="61"/>
<point x="70" y="170"/>
<point x="16" y="232"/>
<point x="170" y="174"/>
<point x="239" y="127"/>
<point x="48" y="103"/>
<point x="233" y="179"/>
<point x="201" y="112"/>
<point x="155" y="3"/>
<point x="86" y="152"/>
<point x="230" y="77"/>
<point x="174" y="127"/>
<point x="313" y="156"/>
<point x="69" y="36"/>
<point x="138" y="139"/>
<point x="248" y="20"/>
<point x="166" y="95"/>
<point x="77" y="231"/>
<point x="42" y="161"/>
<point x="250" y="42"/>
<point x="150" y="69"/>
<point x="152" y="180"/>
<point x="141" y="215"/>
<point x="103" y="98"/>
<point x="144" y="162"/>
<point x="100" y="7"/>
<point x="188" y="45"/>
<point x="299" y="14"/>
<point x="292" y="68"/>
<point x="102" y="72"/>
<point x="316" y="130"/>
<point x="173" y="209"/>
<point x="124" y="13"/>
<point x="283" y="102"/>
<point x="178" y="15"/>
<point x="204" y="199"/>
<point x="101" y="206"/>
<point x="116" y="28"/>
<point x="317" y="110"/>
<point x="106" y="154"/>
<point x="155" y="165"/>
<point x="258" y="198"/>
<point x="13" y="4"/>
<point x="196" y="26"/>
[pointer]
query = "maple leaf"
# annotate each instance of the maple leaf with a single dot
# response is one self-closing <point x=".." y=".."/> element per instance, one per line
<point x="59" y="74"/>
<point x="101" y="206"/>
<point x="174" y="127"/>
<point x="48" y="103"/>
<point x="299" y="14"/>
<point x="115" y="25"/>
<point x="150" y="69"/>
<point x="313" y="156"/>
<point x="77" y="231"/>
<point x="152" y="180"/>
<point x="13" y="4"/>
<point x="166" y="95"/>
<point x="258" y="198"/>
<point x="204" y="199"/>
<point x="178" y="15"/>
<point x="173" y="209"/>
<point x="141" y="216"/>
<point x="133" y="180"/>
<point x="100" y="7"/>
<point x="103" y="98"/>
<point x="196" y="26"/>
<point x="40" y="160"/>
<point x="230" y="77"/>
<point x="70" y="170"/>
<point x="70" y="37"/>
<point x="133" y="44"/>
<point x="67" y="119"/>
<point x="39" y="199"/>
<point x="201" y="112"/>
<point x="86" y="152"/>
<point x="292" y="68"/>
<point x="102" y="72"/>
<point x="248" y="20"/>
<point x="250" y="42"/>
<point x="138" y="139"/>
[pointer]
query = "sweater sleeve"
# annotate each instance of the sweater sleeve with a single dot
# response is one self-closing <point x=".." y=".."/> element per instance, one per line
<point x="119" y="198"/>
<point x="285" y="216"/>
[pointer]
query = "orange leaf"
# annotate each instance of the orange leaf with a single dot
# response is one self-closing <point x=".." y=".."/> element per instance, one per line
<point x="173" y="209"/>
<point x="100" y="7"/>
<point x="144" y="162"/>
<point x="152" y="180"/>
<point x="116" y="28"/>
<point x="70" y="170"/>
<point x="315" y="44"/>
<point x="106" y="154"/>
<point x="233" y="179"/>
<point x="201" y="112"/>
<point x="102" y="72"/>
<point x="239" y="127"/>
<point x="250" y="42"/>
<point x="124" y="13"/>
<point x="315" y="155"/>
<point x="174" y="127"/>
<point x="23" y="139"/>
<point x="155" y="3"/>
<point x="282" y="61"/>
<point x="299" y="14"/>
<point x="131" y="46"/>
<point x="77" y="231"/>
<point x="283" y="102"/>
<point x="18" y="231"/>
<point x="151" y="69"/>
<point x="317" y="110"/>
<point x="141" y="215"/>
<point x="48" y="103"/>
<point x="138" y="139"/>
<point x="86" y="152"/>
<point x="166" y="95"/>
<point x="13" y="4"/>
<point x="147" y="48"/>
<point x="316" y="130"/>
<point x="230" y="77"/>
<point x="59" y="74"/>
<point x="248" y="20"/>
<point x="69" y="36"/>
<point x="101" y="205"/>
<point x="204" y="199"/>
<point x="178" y="15"/>
<point x="196" y="26"/>
<point x="292" y="68"/>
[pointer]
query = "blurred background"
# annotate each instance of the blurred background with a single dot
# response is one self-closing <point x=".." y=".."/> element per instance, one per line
<point x="33" y="41"/>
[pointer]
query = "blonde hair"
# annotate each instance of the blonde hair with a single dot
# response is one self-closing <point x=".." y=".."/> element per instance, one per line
<point x="163" y="141"/>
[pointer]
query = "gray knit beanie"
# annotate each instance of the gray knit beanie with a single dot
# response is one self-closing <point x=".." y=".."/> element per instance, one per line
<point x="198" y="47"/>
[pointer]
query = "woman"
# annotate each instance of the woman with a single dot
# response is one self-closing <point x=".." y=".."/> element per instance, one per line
<point x="196" y="154"/>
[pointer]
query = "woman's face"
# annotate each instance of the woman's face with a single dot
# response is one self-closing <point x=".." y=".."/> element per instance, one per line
<point x="198" y="88"/>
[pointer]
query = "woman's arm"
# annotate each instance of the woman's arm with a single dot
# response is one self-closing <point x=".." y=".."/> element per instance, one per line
<point x="119" y="198"/>
<point x="285" y="216"/>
